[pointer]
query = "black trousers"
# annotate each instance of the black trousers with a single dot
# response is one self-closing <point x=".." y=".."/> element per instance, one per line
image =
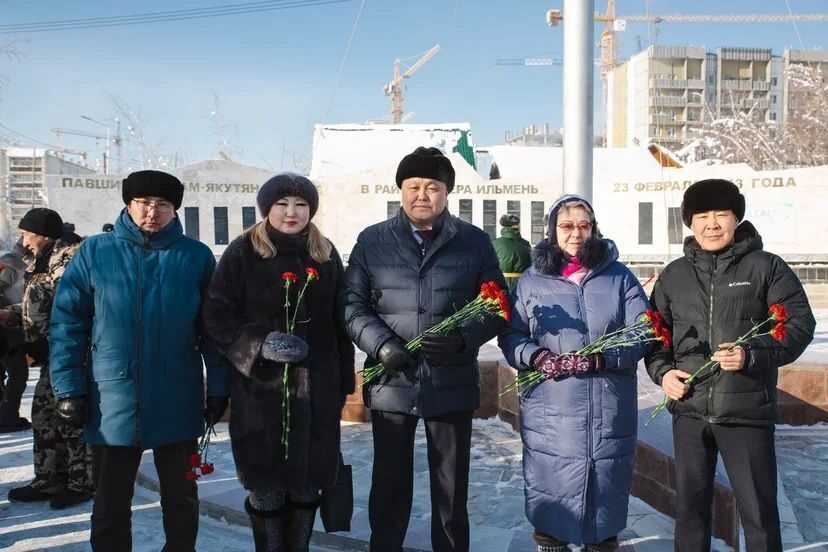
<point x="749" y="456"/>
<point x="448" y="440"/>
<point x="114" y="470"/>
<point x="17" y="374"/>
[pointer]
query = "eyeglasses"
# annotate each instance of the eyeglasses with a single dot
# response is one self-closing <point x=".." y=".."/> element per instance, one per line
<point x="159" y="206"/>
<point x="569" y="227"/>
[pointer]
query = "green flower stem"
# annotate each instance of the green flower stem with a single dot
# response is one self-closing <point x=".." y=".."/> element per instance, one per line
<point x="285" y="375"/>
<point x="474" y="309"/>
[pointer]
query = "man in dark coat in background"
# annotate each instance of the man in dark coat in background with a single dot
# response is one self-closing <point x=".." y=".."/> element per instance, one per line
<point x="724" y="284"/>
<point x="405" y="275"/>
<point x="12" y="358"/>
<point x="513" y="252"/>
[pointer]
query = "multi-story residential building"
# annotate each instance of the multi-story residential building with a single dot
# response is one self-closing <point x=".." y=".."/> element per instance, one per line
<point x="661" y="92"/>
<point x="21" y="182"/>
<point x="655" y="96"/>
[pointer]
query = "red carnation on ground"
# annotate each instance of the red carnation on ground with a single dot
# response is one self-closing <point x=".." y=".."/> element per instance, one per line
<point x="289" y="277"/>
<point x="778" y="332"/>
<point x="312" y="273"/>
<point x="778" y="312"/>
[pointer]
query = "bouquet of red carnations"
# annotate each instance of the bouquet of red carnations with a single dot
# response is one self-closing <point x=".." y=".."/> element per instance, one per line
<point x="491" y="300"/>
<point x="198" y="461"/>
<point x="773" y="325"/>
<point x="650" y="327"/>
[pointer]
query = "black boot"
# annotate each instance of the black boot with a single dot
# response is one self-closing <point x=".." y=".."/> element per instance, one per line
<point x="300" y="525"/>
<point x="268" y="528"/>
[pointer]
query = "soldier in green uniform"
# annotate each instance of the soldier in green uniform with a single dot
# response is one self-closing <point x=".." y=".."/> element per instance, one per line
<point x="513" y="252"/>
<point x="61" y="457"/>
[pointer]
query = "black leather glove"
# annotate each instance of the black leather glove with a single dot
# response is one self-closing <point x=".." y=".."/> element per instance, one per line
<point x="394" y="357"/>
<point x="436" y="344"/>
<point x="282" y="347"/>
<point x="73" y="410"/>
<point x="214" y="409"/>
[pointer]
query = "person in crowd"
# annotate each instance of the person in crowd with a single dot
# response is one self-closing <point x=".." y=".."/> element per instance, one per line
<point x="61" y="457"/>
<point x="13" y="366"/>
<point x="578" y="427"/>
<point x="127" y="358"/>
<point x="716" y="292"/>
<point x="405" y="275"/>
<point x="513" y="252"/>
<point x="69" y="235"/>
<point x="245" y="315"/>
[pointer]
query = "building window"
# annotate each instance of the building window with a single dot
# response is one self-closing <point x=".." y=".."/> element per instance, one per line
<point x="773" y="116"/>
<point x="465" y="210"/>
<point x="248" y="217"/>
<point x="675" y="232"/>
<point x="538" y="231"/>
<point x="773" y="81"/>
<point x="513" y="208"/>
<point x="490" y="217"/>
<point x="645" y="223"/>
<point x="391" y="209"/>
<point x="671" y="132"/>
<point x="191" y="222"/>
<point x="773" y="98"/>
<point x="220" y="225"/>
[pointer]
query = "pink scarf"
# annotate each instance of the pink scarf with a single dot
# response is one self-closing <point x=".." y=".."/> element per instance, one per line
<point x="574" y="271"/>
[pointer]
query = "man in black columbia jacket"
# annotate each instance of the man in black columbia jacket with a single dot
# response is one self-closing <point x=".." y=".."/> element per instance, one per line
<point x="405" y="275"/>
<point x="724" y="284"/>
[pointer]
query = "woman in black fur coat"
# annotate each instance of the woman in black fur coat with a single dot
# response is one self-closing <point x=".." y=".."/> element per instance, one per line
<point x="245" y="315"/>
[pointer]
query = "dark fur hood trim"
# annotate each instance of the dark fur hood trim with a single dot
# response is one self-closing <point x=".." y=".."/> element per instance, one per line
<point x="548" y="258"/>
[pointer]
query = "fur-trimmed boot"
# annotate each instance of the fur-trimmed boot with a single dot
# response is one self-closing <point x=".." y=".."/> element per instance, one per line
<point x="269" y="528"/>
<point x="300" y="525"/>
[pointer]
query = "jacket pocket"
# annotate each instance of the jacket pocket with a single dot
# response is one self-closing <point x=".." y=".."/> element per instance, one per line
<point x="619" y="406"/>
<point x="109" y="369"/>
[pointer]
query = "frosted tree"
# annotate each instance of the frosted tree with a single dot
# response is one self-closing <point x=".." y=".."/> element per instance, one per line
<point x="805" y="137"/>
<point x="142" y="154"/>
<point x="746" y="137"/>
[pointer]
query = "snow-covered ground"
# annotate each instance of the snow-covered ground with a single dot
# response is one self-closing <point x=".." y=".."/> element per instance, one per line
<point x="35" y="526"/>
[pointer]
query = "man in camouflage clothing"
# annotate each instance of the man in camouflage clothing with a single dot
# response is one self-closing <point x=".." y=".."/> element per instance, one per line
<point x="61" y="457"/>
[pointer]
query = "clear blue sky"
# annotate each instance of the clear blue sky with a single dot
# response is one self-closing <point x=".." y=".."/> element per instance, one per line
<point x="274" y="72"/>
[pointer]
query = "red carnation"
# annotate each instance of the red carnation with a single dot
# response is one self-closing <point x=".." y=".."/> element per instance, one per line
<point x="312" y="273"/>
<point x="663" y="334"/>
<point x="195" y="460"/>
<point x="2" y="267"/>
<point x="778" y="312"/>
<point x="489" y="290"/>
<point x="778" y="332"/>
<point x="289" y="277"/>
<point x="191" y="475"/>
<point x="207" y="468"/>
<point x="505" y="309"/>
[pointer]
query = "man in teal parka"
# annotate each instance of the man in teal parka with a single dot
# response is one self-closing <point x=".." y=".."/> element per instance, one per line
<point x="513" y="252"/>
<point x="126" y="350"/>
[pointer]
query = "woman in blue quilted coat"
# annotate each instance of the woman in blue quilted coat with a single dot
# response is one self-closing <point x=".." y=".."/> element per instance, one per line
<point x="579" y="427"/>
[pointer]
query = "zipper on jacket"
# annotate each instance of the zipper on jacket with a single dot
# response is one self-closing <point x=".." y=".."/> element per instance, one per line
<point x="709" y="408"/>
<point x="589" y="385"/>
<point x="139" y="318"/>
